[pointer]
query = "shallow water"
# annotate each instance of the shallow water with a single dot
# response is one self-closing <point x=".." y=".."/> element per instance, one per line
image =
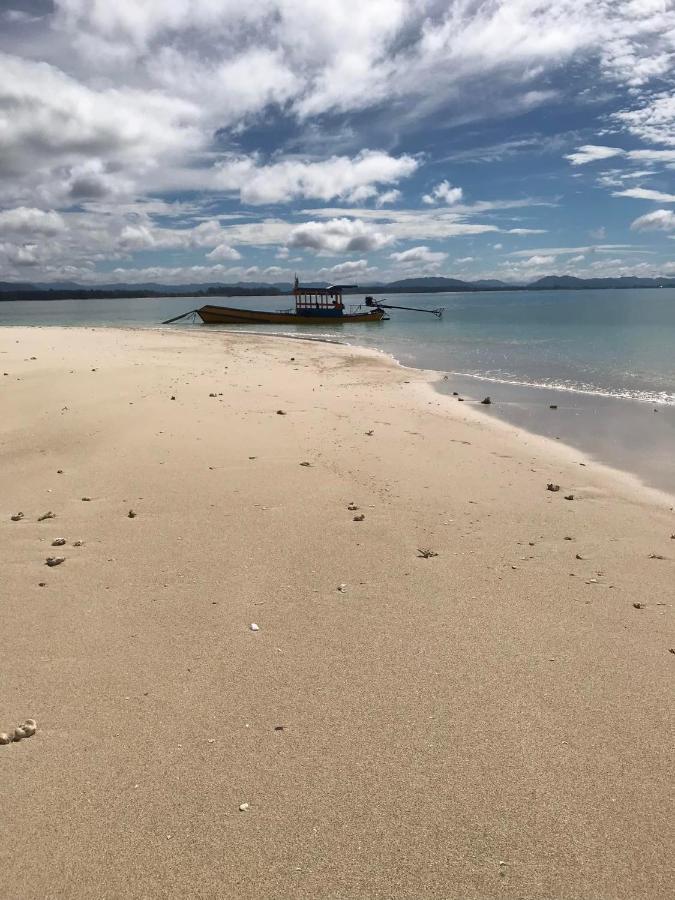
<point x="606" y="358"/>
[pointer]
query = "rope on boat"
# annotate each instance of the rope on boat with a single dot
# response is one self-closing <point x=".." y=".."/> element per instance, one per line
<point x="192" y="312"/>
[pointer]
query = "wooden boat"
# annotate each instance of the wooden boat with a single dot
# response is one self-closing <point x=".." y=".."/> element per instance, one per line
<point x="313" y="306"/>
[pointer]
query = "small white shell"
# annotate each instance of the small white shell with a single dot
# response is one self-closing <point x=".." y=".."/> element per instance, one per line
<point x="5" y="738"/>
<point x="254" y="627"/>
<point x="244" y="807"/>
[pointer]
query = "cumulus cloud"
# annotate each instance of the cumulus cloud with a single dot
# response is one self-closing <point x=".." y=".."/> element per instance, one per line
<point x="357" y="268"/>
<point x="443" y="193"/>
<point x="536" y="262"/>
<point x="112" y="102"/>
<point x="224" y="251"/>
<point x="339" y="177"/>
<point x="27" y="220"/>
<point x="338" y="236"/>
<point x="659" y="220"/>
<point x="420" y="254"/>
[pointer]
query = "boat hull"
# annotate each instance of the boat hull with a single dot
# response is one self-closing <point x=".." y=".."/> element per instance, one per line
<point x="226" y="315"/>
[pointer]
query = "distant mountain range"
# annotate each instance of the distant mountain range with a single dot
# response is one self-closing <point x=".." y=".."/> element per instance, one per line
<point x="65" y="289"/>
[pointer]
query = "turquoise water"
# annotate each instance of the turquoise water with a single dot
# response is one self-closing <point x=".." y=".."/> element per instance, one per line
<point x="605" y="359"/>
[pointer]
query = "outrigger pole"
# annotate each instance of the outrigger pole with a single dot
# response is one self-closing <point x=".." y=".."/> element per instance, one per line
<point x="434" y="312"/>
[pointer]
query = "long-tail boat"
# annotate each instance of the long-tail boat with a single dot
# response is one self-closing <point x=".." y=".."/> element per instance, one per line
<point x="313" y="306"/>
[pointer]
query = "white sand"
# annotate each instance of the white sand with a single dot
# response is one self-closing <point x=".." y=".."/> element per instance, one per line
<point x="489" y="722"/>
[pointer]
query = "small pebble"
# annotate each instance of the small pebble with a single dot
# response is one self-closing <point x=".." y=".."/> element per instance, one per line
<point x="342" y="588"/>
<point x="17" y="517"/>
<point x="47" y="515"/>
<point x="552" y="487"/>
<point x="553" y="406"/>
<point x="305" y="464"/>
<point x="359" y="518"/>
<point x="55" y="560"/>
<point x="78" y="543"/>
<point x="639" y="605"/>
<point x="254" y="627"/>
<point x="59" y="542"/>
<point x="578" y="556"/>
<point x="5" y="738"/>
<point x="569" y="496"/>
<point x="19" y="734"/>
<point x="244" y="807"/>
<point x="86" y="499"/>
<point x="486" y="401"/>
<point x="280" y="412"/>
<point x="131" y="514"/>
<point x="42" y="584"/>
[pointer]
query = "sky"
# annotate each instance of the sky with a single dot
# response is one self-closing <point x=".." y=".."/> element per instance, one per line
<point x="189" y="141"/>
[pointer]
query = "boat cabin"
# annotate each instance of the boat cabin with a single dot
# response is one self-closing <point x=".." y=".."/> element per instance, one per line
<point x="324" y="303"/>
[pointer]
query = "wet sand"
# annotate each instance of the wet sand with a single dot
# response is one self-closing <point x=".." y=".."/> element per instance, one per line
<point x="490" y="721"/>
<point x="634" y="436"/>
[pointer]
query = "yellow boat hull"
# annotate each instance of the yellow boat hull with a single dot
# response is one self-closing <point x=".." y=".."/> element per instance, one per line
<point x="226" y="315"/>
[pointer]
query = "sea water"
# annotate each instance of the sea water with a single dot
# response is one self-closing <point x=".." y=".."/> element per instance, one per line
<point x="604" y="358"/>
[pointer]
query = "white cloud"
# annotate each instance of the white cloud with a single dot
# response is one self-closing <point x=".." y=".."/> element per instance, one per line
<point x="464" y="260"/>
<point x="645" y="194"/>
<point x="443" y="192"/>
<point x="654" y="121"/>
<point x="26" y="220"/>
<point x="223" y="252"/>
<point x="357" y="268"/>
<point x="536" y="262"/>
<point x="526" y="231"/>
<point x="387" y="197"/>
<point x="340" y="177"/>
<point x="338" y="236"/>
<point x="591" y="153"/>
<point x="420" y="254"/>
<point x="659" y="220"/>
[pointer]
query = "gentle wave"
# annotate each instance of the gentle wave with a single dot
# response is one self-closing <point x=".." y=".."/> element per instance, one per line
<point x="661" y="397"/>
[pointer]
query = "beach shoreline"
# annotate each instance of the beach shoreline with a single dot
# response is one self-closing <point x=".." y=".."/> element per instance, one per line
<point x="487" y="720"/>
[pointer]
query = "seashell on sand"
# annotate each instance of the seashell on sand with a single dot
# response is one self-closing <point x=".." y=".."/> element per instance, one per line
<point x="5" y="738"/>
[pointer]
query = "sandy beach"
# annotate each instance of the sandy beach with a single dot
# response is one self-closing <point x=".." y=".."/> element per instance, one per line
<point x="488" y="719"/>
